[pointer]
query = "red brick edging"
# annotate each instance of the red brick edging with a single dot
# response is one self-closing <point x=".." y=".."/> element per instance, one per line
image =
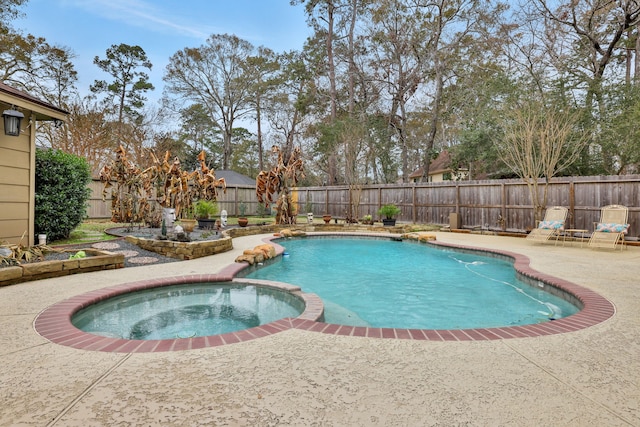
<point x="54" y="323"/>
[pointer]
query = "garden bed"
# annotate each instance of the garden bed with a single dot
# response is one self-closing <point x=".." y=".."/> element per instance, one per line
<point x="202" y="242"/>
<point x="95" y="260"/>
<point x="183" y="250"/>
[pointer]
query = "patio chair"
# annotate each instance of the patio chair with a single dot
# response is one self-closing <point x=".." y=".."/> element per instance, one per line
<point x="551" y="226"/>
<point x="611" y="229"/>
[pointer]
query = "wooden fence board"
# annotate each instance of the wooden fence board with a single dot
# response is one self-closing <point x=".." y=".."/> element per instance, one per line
<point x="478" y="203"/>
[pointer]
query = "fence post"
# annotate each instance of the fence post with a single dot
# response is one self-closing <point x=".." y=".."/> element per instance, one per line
<point x="326" y="200"/>
<point x="415" y="208"/>
<point x="503" y="209"/>
<point x="235" y="202"/>
<point x="572" y="204"/>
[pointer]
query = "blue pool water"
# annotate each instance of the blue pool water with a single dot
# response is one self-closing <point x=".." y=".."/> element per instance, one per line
<point x="184" y="311"/>
<point x="383" y="283"/>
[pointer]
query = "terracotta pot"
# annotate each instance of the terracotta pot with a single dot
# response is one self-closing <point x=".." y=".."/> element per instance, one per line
<point x="326" y="218"/>
<point x="188" y="224"/>
<point x="242" y="222"/>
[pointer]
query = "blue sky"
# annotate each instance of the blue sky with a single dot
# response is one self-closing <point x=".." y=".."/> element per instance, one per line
<point x="160" y="27"/>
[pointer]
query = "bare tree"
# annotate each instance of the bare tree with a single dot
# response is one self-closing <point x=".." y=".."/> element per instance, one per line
<point x="597" y="28"/>
<point x="88" y="133"/>
<point x="397" y="64"/>
<point x="323" y="16"/>
<point x="539" y="142"/>
<point x="215" y="75"/>
<point x="353" y="132"/>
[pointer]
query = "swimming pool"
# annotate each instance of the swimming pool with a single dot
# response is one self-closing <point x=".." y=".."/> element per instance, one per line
<point x="389" y="284"/>
<point x="54" y="323"/>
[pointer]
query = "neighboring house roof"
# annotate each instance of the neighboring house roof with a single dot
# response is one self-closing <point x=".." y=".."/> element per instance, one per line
<point x="440" y="164"/>
<point x="42" y="109"/>
<point x="234" y="178"/>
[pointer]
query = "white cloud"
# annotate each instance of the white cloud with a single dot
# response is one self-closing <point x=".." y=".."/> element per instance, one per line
<point x="144" y="14"/>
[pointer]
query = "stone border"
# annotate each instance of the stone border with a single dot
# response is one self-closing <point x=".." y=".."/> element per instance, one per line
<point x="183" y="250"/>
<point x="97" y="260"/>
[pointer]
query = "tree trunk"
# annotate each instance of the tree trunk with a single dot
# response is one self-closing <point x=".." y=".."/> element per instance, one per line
<point x="333" y="161"/>
<point x="433" y="127"/>
<point x="226" y="150"/>
<point x="352" y="64"/>
<point x="259" y="124"/>
<point x="636" y="68"/>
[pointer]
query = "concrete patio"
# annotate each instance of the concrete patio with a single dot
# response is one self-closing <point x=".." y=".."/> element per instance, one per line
<point x="298" y="377"/>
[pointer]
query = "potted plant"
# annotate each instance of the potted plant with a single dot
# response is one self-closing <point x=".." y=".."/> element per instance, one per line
<point x="367" y="219"/>
<point x="204" y="210"/>
<point x="187" y="221"/>
<point x="242" y="220"/>
<point x="388" y="212"/>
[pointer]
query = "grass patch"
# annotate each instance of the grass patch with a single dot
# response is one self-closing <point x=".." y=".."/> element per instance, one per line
<point x="89" y="231"/>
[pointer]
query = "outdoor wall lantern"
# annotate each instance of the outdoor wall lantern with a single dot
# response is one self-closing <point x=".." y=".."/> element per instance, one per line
<point x="12" y="119"/>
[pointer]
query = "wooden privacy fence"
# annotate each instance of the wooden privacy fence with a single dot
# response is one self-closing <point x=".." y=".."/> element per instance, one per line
<point x="230" y="201"/>
<point x="494" y="204"/>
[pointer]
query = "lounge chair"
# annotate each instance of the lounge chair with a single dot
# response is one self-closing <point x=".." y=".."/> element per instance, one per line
<point x="610" y="230"/>
<point x="551" y="226"/>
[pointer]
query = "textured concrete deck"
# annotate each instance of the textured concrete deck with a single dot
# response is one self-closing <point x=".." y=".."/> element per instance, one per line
<point x="298" y="377"/>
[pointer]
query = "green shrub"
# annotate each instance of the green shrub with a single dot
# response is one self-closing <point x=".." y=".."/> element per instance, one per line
<point x="261" y="211"/>
<point x="62" y="193"/>
<point x="389" y="211"/>
<point x="205" y="209"/>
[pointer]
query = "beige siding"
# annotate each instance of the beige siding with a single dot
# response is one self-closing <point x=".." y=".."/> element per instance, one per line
<point x="14" y="193"/>
<point x="13" y="143"/>
<point x="14" y="223"/>
<point x="11" y="211"/>
<point x="14" y="176"/>
<point x="437" y="177"/>
<point x="11" y="231"/>
<point x="16" y="187"/>
<point x="17" y="165"/>
<point x="14" y="158"/>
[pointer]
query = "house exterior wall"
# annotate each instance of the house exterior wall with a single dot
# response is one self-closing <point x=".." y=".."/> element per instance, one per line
<point x="448" y="175"/>
<point x="436" y="177"/>
<point x="17" y="165"/>
<point x="17" y="184"/>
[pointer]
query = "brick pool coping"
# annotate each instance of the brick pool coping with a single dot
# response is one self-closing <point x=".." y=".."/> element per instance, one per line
<point x="54" y="323"/>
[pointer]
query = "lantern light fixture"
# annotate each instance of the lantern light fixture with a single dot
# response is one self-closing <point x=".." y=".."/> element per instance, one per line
<point x="12" y="120"/>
